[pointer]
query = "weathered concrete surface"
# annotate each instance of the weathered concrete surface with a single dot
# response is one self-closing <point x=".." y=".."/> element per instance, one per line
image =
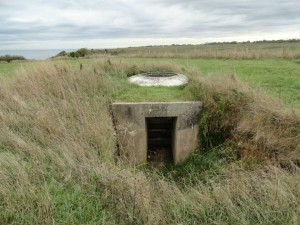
<point x="130" y="122"/>
<point x="155" y="80"/>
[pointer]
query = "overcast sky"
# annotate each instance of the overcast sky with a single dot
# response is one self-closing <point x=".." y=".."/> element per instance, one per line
<point x="71" y="24"/>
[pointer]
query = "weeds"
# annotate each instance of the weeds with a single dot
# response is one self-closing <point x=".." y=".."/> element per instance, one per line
<point x="58" y="165"/>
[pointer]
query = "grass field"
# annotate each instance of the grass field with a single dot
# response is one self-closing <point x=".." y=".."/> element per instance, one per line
<point x="279" y="77"/>
<point x="263" y="50"/>
<point x="58" y="161"/>
<point x="7" y="70"/>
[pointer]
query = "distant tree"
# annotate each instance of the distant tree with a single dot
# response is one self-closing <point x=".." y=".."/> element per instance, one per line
<point x="83" y="52"/>
<point x="62" y="53"/>
<point x="75" y="54"/>
<point x="9" y="58"/>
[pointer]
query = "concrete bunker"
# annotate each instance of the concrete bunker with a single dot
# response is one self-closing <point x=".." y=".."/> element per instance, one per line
<point x="159" y="131"/>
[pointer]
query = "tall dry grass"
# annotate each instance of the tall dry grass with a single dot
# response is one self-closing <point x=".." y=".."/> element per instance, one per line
<point x="217" y="51"/>
<point x="58" y="164"/>
<point x="54" y="123"/>
<point x="258" y="123"/>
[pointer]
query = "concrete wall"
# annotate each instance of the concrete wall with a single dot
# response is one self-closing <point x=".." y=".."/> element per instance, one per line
<point x="130" y="122"/>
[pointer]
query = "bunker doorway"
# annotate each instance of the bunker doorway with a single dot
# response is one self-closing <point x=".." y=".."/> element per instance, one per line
<point x="160" y="135"/>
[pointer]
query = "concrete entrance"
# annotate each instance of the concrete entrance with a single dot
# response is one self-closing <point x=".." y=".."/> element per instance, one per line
<point x="160" y="134"/>
<point x="136" y="125"/>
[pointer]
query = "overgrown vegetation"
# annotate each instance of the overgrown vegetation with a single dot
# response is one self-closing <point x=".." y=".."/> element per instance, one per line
<point x="58" y="162"/>
<point x="9" y="58"/>
<point x="256" y="122"/>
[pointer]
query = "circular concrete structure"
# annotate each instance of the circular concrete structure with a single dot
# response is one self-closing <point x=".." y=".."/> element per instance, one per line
<point x="159" y="79"/>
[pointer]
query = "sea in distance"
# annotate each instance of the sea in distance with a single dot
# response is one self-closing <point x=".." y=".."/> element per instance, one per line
<point x="34" y="54"/>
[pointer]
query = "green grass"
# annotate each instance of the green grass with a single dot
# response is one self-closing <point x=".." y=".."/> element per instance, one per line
<point x="7" y="70"/>
<point x="74" y="205"/>
<point x="135" y="93"/>
<point x="64" y="203"/>
<point x="279" y="77"/>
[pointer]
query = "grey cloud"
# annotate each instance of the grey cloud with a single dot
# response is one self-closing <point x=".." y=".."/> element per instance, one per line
<point x="92" y="19"/>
